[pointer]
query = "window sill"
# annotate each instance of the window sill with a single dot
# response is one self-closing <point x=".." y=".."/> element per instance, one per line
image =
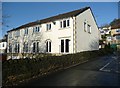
<point x="64" y="28"/>
<point x="48" y="30"/>
<point x="26" y="35"/>
<point x="64" y="52"/>
<point x="36" y="33"/>
<point x="89" y="32"/>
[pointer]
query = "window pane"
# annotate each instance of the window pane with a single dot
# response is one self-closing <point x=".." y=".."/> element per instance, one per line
<point x="26" y="47"/>
<point x="118" y="30"/>
<point x="64" y="23"/>
<point x="10" y="48"/>
<point x="18" y="48"/>
<point x="37" y="46"/>
<point x="3" y="44"/>
<point x="49" y="46"/>
<point x="61" y="24"/>
<point x="89" y="29"/>
<point x="33" y="47"/>
<point x="27" y="31"/>
<point x="49" y="26"/>
<point x="38" y="29"/>
<point x="84" y="26"/>
<point x="118" y="37"/>
<point x="68" y="23"/>
<point x="62" y="45"/>
<point x="67" y="45"/>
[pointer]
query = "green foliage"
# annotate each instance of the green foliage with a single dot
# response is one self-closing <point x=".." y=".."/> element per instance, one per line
<point x="21" y="69"/>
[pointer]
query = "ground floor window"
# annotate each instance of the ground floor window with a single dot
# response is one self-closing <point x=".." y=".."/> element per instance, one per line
<point x="36" y="47"/>
<point x="10" y="48"/>
<point x="48" y="46"/>
<point x="65" y="45"/>
<point x="25" y="48"/>
<point x="17" y="48"/>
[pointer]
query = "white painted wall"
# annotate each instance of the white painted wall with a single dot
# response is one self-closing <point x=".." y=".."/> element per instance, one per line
<point x="85" y="40"/>
<point x="3" y="46"/>
<point x="79" y="39"/>
<point x="55" y="35"/>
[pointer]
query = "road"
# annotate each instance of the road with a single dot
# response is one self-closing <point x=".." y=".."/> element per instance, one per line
<point x="104" y="71"/>
<point x="0" y="74"/>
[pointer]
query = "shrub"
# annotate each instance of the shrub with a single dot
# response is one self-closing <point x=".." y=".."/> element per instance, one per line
<point x="20" y="69"/>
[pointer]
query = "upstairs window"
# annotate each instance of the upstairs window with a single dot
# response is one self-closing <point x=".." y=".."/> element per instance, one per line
<point x="36" y="29"/>
<point x="48" y="27"/>
<point x="118" y="37"/>
<point x="26" y="32"/>
<point x="61" y="24"/>
<point x="64" y="23"/>
<point x="89" y="28"/>
<point x="3" y="45"/>
<point x="10" y="35"/>
<point x="118" y="30"/>
<point x="85" y="26"/>
<point x="68" y="23"/>
<point x="17" y="33"/>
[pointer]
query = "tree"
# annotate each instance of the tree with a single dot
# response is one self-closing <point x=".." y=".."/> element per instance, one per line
<point x="115" y="22"/>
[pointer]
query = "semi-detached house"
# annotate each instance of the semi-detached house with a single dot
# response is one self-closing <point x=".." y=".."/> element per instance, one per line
<point x="70" y="32"/>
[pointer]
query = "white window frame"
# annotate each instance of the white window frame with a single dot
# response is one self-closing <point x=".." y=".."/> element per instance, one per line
<point x="48" y="26"/>
<point x="35" y="29"/>
<point x="26" y="31"/>
<point x="49" y="47"/>
<point x="66" y="23"/>
<point x="10" y="35"/>
<point x="85" y="26"/>
<point x="65" y="45"/>
<point x="89" y="28"/>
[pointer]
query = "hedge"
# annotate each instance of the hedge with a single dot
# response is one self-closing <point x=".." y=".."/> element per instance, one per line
<point x="18" y="70"/>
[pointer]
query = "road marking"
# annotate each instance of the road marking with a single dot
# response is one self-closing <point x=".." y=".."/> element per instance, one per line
<point x="117" y="72"/>
<point x="104" y="66"/>
<point x="106" y="70"/>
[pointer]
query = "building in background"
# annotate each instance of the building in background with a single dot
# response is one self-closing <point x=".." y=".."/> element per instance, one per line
<point x="115" y="33"/>
<point x="3" y="45"/>
<point x="70" y="32"/>
<point x="3" y="48"/>
<point x="106" y="38"/>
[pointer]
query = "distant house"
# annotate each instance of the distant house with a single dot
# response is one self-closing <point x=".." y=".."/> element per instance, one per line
<point x="3" y="45"/>
<point x="106" y="38"/>
<point x="115" y="32"/>
<point x="66" y="33"/>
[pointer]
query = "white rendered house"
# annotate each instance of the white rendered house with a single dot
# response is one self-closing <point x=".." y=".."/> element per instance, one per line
<point x="70" y="32"/>
<point x="3" y="46"/>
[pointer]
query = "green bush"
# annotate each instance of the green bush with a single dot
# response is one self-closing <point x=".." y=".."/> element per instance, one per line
<point x="20" y="69"/>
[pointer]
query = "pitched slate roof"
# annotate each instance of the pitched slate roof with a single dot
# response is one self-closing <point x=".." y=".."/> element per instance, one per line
<point x="53" y="18"/>
<point x="115" y="26"/>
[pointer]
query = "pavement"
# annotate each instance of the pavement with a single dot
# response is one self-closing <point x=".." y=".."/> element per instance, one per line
<point x="0" y="74"/>
<point x="104" y="71"/>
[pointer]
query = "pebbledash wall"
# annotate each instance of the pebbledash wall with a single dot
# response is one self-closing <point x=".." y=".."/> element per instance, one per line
<point x="71" y="32"/>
